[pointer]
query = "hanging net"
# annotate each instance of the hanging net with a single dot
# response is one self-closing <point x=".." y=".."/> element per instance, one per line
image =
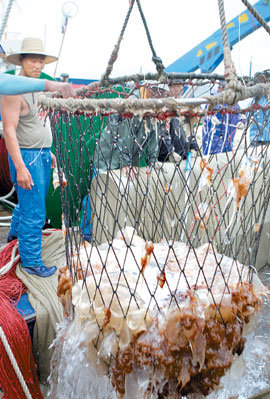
<point x="165" y="214"/>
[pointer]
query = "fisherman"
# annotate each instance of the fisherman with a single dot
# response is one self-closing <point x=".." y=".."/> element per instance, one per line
<point x="12" y="85"/>
<point x="28" y="140"/>
<point x="173" y="143"/>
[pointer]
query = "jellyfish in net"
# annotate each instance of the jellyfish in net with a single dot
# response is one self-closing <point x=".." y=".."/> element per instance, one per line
<point x="160" y="281"/>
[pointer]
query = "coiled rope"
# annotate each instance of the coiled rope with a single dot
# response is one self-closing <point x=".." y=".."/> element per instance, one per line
<point x="14" y="364"/>
<point x="13" y="259"/>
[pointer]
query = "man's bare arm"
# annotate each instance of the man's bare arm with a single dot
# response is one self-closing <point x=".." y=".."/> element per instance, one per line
<point x="10" y="111"/>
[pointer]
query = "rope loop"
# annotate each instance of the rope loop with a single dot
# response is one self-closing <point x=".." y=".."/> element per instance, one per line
<point x="162" y="76"/>
<point x="105" y="77"/>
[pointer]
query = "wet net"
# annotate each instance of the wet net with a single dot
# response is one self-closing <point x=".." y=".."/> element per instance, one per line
<point x="165" y="215"/>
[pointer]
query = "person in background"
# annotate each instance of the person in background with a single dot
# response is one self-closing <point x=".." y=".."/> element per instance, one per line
<point x="125" y="144"/>
<point x="173" y="145"/>
<point x="173" y="142"/>
<point x="219" y="130"/>
<point x="128" y="144"/>
<point x="28" y="141"/>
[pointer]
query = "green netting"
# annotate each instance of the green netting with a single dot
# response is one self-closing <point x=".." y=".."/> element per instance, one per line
<point x="77" y="157"/>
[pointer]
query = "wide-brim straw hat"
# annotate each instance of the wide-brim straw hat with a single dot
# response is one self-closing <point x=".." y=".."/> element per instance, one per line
<point x="30" y="45"/>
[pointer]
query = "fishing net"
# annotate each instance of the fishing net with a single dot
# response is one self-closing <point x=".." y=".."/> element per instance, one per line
<point x="165" y="212"/>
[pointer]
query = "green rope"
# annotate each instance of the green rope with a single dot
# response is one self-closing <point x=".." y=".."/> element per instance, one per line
<point x="157" y="61"/>
<point x="8" y="207"/>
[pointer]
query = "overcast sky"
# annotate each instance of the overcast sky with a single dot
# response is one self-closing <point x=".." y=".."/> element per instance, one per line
<point x="175" y="26"/>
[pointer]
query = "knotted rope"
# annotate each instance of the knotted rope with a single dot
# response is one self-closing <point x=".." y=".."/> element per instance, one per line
<point x="157" y="61"/>
<point x="234" y="93"/>
<point x="234" y="90"/>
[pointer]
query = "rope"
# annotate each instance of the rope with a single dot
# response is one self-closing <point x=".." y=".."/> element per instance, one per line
<point x="229" y="69"/>
<point x="14" y="364"/>
<point x="255" y="13"/>
<point x="157" y="61"/>
<point x="9" y="265"/>
<point x="234" y="90"/>
<point x="120" y="105"/>
<point x="5" y="19"/>
<point x="231" y="95"/>
<point x="8" y="195"/>
<point x="171" y="76"/>
<point x="152" y="106"/>
<point x="8" y="204"/>
<point x="114" y="55"/>
<point x="183" y="78"/>
<point x="149" y="76"/>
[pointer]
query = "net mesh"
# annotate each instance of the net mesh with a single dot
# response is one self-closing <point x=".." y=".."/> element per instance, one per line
<point x="163" y="216"/>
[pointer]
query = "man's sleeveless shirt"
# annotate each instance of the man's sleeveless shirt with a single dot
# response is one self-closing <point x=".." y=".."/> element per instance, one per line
<point x="32" y="131"/>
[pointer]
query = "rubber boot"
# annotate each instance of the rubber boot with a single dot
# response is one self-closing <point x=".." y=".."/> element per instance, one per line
<point x="41" y="271"/>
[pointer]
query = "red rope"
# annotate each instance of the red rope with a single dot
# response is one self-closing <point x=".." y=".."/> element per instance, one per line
<point x="17" y="334"/>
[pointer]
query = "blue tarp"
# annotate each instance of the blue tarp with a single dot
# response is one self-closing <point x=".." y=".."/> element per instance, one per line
<point x="260" y="128"/>
<point x="219" y="131"/>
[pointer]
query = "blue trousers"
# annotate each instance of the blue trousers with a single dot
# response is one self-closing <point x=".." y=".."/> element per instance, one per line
<point x="86" y="221"/>
<point x="29" y="216"/>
